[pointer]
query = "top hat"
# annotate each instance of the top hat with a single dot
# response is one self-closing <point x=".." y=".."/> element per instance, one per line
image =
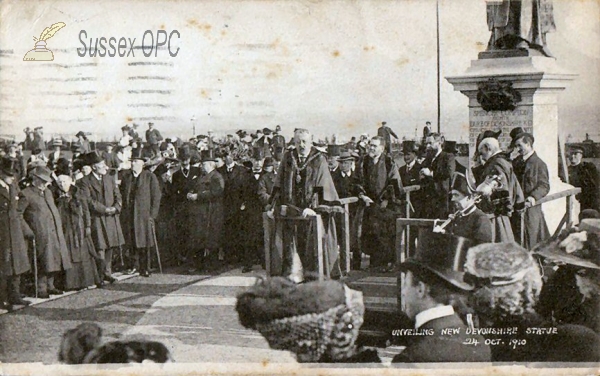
<point x="9" y="166"/>
<point x="450" y="147"/>
<point x="346" y="156"/>
<point x="208" y="155"/>
<point x="138" y="153"/>
<point x="576" y="149"/>
<point x="42" y="172"/>
<point x="57" y="142"/>
<point x="91" y="158"/>
<point x="409" y="146"/>
<point x="125" y="128"/>
<point x="334" y="150"/>
<point x="461" y="183"/>
<point x="440" y="256"/>
<point x="588" y="257"/>
<point x="80" y="134"/>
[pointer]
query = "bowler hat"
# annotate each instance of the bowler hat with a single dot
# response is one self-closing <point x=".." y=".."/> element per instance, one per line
<point x="409" y="146"/>
<point x="268" y="162"/>
<point x="346" y="156"/>
<point x="42" y="172"/>
<point x="515" y="132"/>
<point x="91" y="158"/>
<point x="9" y="166"/>
<point x="440" y="256"/>
<point x="208" y="155"/>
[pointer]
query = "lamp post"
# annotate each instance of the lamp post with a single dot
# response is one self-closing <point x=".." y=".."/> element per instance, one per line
<point x="437" y="19"/>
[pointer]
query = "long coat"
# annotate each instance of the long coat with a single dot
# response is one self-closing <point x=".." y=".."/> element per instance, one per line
<point x="43" y="218"/>
<point x="265" y="187"/>
<point x="235" y="196"/>
<point x="585" y="176"/>
<point x="437" y="188"/>
<point x="102" y="194"/>
<point x="140" y="203"/>
<point x="208" y="219"/>
<point x="497" y="165"/>
<point x="535" y="183"/>
<point x="13" y="248"/>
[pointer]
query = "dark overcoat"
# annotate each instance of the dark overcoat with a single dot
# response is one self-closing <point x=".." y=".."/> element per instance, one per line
<point x="265" y="187"/>
<point x="436" y="189"/>
<point x="208" y="219"/>
<point x="102" y="194"/>
<point x="140" y="203"/>
<point x="43" y="218"/>
<point x="13" y="247"/>
<point x="535" y="183"/>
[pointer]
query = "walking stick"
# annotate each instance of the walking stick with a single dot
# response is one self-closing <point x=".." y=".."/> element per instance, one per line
<point x="157" y="251"/>
<point x="35" y="268"/>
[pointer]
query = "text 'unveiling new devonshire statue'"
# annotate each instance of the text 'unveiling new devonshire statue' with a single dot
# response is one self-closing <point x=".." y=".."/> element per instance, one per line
<point x="520" y="25"/>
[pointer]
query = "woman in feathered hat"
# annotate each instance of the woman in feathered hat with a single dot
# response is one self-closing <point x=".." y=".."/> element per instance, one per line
<point x="317" y="321"/>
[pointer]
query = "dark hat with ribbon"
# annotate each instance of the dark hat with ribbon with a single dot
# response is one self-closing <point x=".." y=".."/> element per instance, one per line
<point x="208" y="155"/>
<point x="91" y="158"/>
<point x="334" y="150"/>
<point x="409" y="146"/>
<point x="440" y="256"/>
<point x="585" y="255"/>
<point x="461" y="183"/>
<point x="42" y="172"/>
<point x="8" y="166"/>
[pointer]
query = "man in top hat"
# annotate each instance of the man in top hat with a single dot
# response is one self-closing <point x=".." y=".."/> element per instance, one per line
<point x="235" y="197"/>
<point x="153" y="137"/>
<point x="126" y="138"/>
<point x="386" y="133"/>
<point x="56" y="153"/>
<point x="333" y="152"/>
<point x="141" y="195"/>
<point x="105" y="203"/>
<point x="435" y="177"/>
<point x="278" y="144"/>
<point x="468" y="221"/>
<point x="347" y="184"/>
<point x="40" y="212"/>
<point x="207" y="196"/>
<point x="505" y="199"/>
<point x="535" y="183"/>
<point x="13" y="247"/>
<point x="430" y="282"/>
<point x="12" y="152"/>
<point x="38" y="139"/>
<point x="383" y="191"/>
<point x="303" y="183"/>
<point x="182" y="184"/>
<point x="410" y="175"/>
<point x="84" y="143"/>
<point x="585" y="176"/>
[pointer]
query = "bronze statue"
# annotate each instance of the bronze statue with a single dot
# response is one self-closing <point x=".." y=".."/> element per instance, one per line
<point x="520" y="25"/>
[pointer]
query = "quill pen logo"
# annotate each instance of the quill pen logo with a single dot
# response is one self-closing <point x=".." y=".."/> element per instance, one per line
<point x="40" y="52"/>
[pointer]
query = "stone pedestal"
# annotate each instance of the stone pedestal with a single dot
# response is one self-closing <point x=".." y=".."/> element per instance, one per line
<point x="537" y="82"/>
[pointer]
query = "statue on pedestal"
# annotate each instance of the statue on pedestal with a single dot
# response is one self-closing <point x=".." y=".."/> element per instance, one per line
<point x="520" y="25"/>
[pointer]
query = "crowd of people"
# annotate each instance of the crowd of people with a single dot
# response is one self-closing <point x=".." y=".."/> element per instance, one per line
<point x="73" y="219"/>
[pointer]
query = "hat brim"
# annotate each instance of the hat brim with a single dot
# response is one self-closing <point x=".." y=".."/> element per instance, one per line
<point x="566" y="258"/>
<point x="452" y="277"/>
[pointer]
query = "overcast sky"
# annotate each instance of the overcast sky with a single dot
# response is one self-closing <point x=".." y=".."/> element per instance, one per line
<point x="331" y="66"/>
